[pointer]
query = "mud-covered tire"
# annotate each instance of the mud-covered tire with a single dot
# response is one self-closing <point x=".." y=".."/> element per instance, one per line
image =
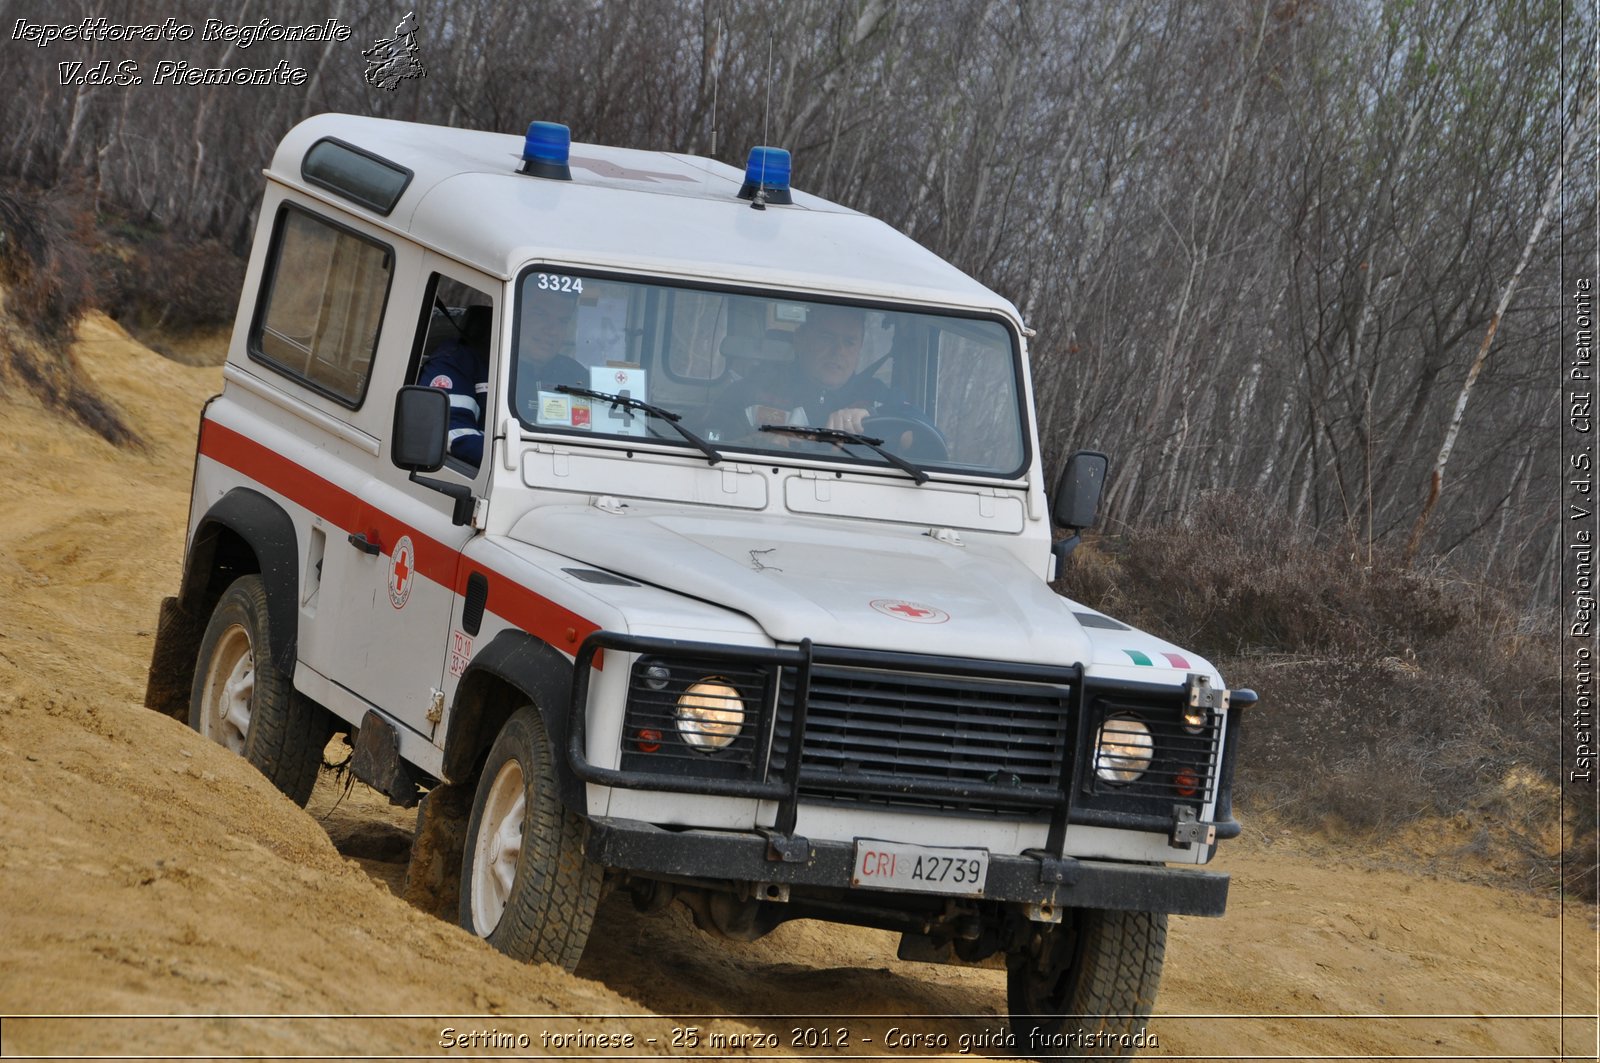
<point x="433" y="875"/>
<point x="243" y="701"/>
<point x="526" y="886"/>
<point x="1097" y="973"/>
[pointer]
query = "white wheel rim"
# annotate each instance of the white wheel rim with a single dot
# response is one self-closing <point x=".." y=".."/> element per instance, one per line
<point x="497" y="847"/>
<point x="230" y="684"/>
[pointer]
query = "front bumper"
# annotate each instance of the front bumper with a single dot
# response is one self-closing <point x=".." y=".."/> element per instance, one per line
<point x="1061" y="882"/>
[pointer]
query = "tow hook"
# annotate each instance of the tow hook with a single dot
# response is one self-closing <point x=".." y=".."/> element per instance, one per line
<point x="787" y="848"/>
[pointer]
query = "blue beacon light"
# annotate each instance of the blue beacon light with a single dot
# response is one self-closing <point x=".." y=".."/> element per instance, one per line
<point x="766" y="172"/>
<point x="545" y="151"/>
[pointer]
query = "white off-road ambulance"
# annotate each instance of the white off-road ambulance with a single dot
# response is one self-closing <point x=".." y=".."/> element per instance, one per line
<point x="740" y="599"/>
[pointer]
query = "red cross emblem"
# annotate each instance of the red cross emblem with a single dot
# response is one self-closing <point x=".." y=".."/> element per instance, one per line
<point x="607" y="168"/>
<point x="915" y="612"/>
<point x="402" y="566"/>
<point x="622" y="378"/>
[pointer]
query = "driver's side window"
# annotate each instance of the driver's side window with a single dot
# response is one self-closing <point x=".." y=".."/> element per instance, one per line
<point x="455" y="355"/>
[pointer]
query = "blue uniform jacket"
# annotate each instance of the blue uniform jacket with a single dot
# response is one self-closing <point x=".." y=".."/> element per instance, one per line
<point x="464" y="373"/>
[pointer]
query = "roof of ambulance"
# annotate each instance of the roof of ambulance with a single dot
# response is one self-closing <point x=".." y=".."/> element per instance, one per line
<point x="467" y="200"/>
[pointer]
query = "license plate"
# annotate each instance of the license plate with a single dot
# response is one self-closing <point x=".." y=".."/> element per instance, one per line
<point x="919" y="868"/>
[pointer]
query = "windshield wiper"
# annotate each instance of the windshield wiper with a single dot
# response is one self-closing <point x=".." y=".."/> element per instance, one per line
<point x="835" y="435"/>
<point x="628" y="401"/>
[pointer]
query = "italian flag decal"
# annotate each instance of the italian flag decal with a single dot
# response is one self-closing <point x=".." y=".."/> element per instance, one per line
<point x="1139" y="657"/>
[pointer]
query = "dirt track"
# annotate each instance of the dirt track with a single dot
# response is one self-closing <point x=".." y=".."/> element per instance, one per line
<point x="145" y="872"/>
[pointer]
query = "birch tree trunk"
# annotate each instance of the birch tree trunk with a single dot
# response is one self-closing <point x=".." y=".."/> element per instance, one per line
<point x="1436" y="480"/>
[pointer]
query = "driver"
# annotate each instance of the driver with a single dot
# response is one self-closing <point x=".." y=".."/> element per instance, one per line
<point x="821" y="388"/>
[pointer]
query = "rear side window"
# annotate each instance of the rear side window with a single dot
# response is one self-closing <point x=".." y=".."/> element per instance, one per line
<point x="322" y="304"/>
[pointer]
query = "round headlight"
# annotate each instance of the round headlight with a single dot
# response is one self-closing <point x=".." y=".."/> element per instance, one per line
<point x="710" y="714"/>
<point x="1123" y="749"/>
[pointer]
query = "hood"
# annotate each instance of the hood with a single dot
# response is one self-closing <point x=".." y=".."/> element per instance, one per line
<point x="1126" y="653"/>
<point x="877" y="586"/>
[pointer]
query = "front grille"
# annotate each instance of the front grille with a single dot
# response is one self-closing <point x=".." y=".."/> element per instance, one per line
<point x="894" y="729"/>
<point x="876" y="736"/>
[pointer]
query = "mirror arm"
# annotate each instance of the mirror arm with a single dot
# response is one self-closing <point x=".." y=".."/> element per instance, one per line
<point x="1062" y="547"/>
<point x="462" y="514"/>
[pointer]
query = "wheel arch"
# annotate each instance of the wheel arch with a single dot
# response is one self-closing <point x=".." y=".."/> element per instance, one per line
<point x="246" y="532"/>
<point x="514" y="669"/>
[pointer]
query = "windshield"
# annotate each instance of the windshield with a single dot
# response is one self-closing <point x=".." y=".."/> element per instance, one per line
<point x="749" y="371"/>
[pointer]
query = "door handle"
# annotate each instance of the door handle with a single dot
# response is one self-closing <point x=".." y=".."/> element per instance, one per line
<point x="360" y="541"/>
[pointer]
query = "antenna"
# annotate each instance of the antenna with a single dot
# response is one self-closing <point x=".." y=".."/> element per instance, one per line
<point x="716" y="77"/>
<point x="759" y="199"/>
<point x="766" y="118"/>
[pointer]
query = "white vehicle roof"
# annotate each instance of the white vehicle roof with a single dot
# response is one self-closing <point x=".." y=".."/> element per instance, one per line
<point x="467" y="201"/>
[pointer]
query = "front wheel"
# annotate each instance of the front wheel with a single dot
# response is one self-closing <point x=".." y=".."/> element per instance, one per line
<point x="1089" y="983"/>
<point x="243" y="701"/>
<point x="526" y="885"/>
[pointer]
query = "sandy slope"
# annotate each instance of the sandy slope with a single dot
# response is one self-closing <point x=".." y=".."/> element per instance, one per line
<point x="145" y="872"/>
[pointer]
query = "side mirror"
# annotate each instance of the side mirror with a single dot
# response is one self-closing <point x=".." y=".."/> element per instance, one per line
<point x="421" y="426"/>
<point x="1077" y="500"/>
<point x="417" y="444"/>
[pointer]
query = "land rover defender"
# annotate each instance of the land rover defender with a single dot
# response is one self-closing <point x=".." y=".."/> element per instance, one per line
<point x="773" y="659"/>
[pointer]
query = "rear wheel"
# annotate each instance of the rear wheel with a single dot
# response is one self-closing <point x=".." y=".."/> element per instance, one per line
<point x="526" y="885"/>
<point x="243" y="701"/>
<point x="1089" y="984"/>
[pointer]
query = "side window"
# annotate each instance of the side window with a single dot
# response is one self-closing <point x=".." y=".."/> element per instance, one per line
<point x="975" y="385"/>
<point x="324" y="296"/>
<point x="459" y="331"/>
<point x="459" y="315"/>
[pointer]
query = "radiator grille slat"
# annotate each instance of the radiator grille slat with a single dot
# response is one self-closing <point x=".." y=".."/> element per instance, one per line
<point x="868" y="725"/>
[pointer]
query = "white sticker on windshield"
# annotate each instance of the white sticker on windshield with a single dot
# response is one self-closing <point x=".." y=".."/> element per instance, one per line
<point x="560" y="410"/>
<point x="618" y="380"/>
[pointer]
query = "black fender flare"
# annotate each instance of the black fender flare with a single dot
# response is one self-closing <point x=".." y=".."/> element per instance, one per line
<point x="538" y="670"/>
<point x="269" y="532"/>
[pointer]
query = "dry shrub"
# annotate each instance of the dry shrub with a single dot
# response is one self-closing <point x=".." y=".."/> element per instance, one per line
<point x="1581" y="858"/>
<point x="1387" y="694"/>
<point x="43" y="264"/>
<point x="151" y="281"/>
<point x="1258" y="585"/>
<point x="45" y="273"/>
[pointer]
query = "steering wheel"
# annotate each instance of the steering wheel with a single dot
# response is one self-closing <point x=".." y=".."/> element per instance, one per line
<point x="927" y="443"/>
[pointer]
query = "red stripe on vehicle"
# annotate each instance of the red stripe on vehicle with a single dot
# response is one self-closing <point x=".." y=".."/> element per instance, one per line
<point x="1175" y="660"/>
<point x="518" y="605"/>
